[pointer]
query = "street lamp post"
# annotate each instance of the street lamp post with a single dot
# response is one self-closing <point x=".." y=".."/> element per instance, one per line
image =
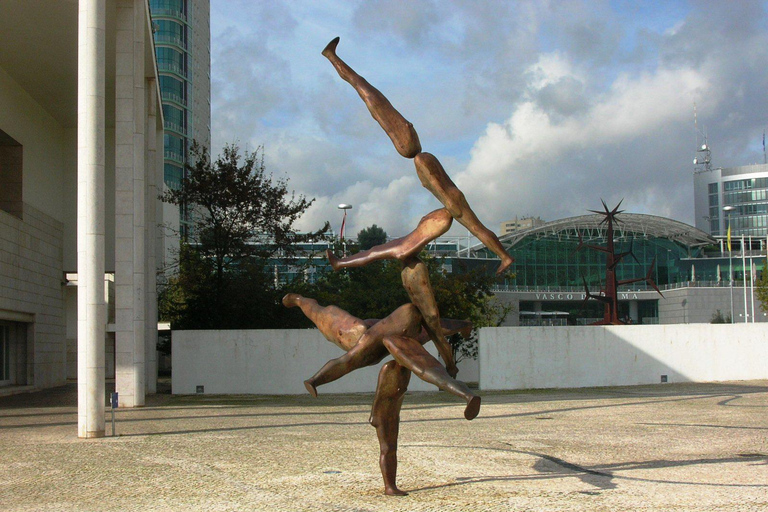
<point x="345" y="207"/>
<point x="728" y="210"/>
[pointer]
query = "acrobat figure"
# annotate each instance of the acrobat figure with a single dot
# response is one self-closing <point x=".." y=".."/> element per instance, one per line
<point x="415" y="274"/>
<point x="401" y="335"/>
<point x="431" y="173"/>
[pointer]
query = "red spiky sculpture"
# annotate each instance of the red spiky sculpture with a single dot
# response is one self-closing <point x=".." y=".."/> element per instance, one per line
<point x="609" y="294"/>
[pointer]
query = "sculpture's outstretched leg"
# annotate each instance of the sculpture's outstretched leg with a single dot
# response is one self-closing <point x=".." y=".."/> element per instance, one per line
<point x="431" y="226"/>
<point x="434" y="178"/>
<point x="338" y="326"/>
<point x="369" y="350"/>
<point x="385" y="417"/>
<point x="402" y="133"/>
<point x="415" y="276"/>
<point x="409" y="353"/>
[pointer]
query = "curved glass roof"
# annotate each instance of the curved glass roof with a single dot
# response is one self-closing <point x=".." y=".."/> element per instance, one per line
<point x="627" y="226"/>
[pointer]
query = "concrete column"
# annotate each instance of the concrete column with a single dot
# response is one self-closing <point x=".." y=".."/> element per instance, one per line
<point x="634" y="311"/>
<point x="130" y="251"/>
<point x="151" y="235"/>
<point x="91" y="308"/>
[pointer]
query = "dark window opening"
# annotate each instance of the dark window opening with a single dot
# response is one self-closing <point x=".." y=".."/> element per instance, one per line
<point x="10" y="175"/>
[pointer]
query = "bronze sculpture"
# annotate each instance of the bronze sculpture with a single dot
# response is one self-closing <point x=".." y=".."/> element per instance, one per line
<point x="403" y="333"/>
<point x="431" y="173"/>
<point x="414" y="274"/>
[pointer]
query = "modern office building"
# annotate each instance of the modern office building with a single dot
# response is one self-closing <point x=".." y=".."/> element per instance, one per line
<point x="738" y="193"/>
<point x="182" y="32"/>
<point x="81" y="132"/>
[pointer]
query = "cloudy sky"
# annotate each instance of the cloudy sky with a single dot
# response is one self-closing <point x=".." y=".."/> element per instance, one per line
<point x="534" y="108"/>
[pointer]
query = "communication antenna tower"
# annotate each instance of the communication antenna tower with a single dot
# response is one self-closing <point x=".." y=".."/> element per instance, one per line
<point x="703" y="159"/>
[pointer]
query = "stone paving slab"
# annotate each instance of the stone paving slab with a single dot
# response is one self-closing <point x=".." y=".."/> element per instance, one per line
<point x="673" y="447"/>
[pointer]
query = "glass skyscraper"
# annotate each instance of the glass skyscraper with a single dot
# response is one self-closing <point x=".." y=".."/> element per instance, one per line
<point x="183" y="44"/>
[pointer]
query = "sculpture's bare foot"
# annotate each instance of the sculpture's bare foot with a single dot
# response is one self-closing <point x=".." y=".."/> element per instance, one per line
<point x="394" y="491"/>
<point x="330" y="49"/>
<point x="313" y="390"/>
<point x="473" y="408"/>
<point x="291" y="300"/>
<point x="332" y="259"/>
<point x="505" y="263"/>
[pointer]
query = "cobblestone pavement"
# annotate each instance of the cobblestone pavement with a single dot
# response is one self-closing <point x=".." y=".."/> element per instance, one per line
<point x="667" y="447"/>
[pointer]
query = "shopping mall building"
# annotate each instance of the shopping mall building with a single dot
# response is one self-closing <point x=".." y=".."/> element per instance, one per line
<point x="690" y="265"/>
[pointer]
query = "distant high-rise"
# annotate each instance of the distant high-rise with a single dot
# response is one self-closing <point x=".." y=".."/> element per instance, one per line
<point x="736" y="193"/>
<point x="513" y="226"/>
<point x="183" y="41"/>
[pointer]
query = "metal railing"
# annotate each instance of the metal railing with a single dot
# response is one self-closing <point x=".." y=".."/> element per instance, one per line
<point x="171" y="39"/>
<point x="173" y="155"/>
<point x="170" y="125"/>
<point x="168" y="95"/>
<point x="165" y="11"/>
<point x="165" y="65"/>
<point x="636" y="287"/>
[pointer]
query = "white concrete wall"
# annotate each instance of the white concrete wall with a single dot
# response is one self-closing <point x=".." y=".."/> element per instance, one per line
<point x="566" y="357"/>
<point x="42" y="137"/>
<point x="31" y="284"/>
<point x="270" y="362"/>
<point x="31" y="248"/>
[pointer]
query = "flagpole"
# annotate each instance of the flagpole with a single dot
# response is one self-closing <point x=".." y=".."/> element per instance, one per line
<point x="752" y="280"/>
<point x="728" y="210"/>
<point x="744" y="273"/>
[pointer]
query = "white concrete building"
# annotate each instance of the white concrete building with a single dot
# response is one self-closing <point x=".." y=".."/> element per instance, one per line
<point x="81" y="137"/>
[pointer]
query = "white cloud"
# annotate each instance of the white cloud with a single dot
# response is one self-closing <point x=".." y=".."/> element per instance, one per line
<point x="534" y="108"/>
<point x="518" y="166"/>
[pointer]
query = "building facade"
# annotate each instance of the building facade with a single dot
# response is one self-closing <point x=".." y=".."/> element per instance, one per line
<point x="736" y="193"/>
<point x="511" y="226"/>
<point x="553" y="271"/>
<point x="81" y="136"/>
<point x="182" y="40"/>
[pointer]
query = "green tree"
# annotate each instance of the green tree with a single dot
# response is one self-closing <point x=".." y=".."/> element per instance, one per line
<point x="761" y="287"/>
<point x="370" y="237"/>
<point x="718" y="318"/>
<point x="240" y="218"/>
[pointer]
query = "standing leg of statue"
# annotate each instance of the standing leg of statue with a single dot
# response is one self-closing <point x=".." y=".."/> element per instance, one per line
<point x="415" y="276"/>
<point x="431" y="226"/>
<point x="434" y="178"/>
<point x="409" y="353"/>
<point x="402" y="133"/>
<point x="385" y="417"/>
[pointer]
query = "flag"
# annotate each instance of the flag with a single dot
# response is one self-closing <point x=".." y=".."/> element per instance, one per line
<point x="344" y="221"/>
<point x="729" y="237"/>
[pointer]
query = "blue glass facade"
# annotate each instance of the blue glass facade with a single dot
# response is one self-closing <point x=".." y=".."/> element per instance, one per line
<point x="182" y="46"/>
<point x="735" y="195"/>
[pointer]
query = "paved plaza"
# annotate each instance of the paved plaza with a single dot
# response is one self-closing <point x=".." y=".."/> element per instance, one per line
<point x="667" y="447"/>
